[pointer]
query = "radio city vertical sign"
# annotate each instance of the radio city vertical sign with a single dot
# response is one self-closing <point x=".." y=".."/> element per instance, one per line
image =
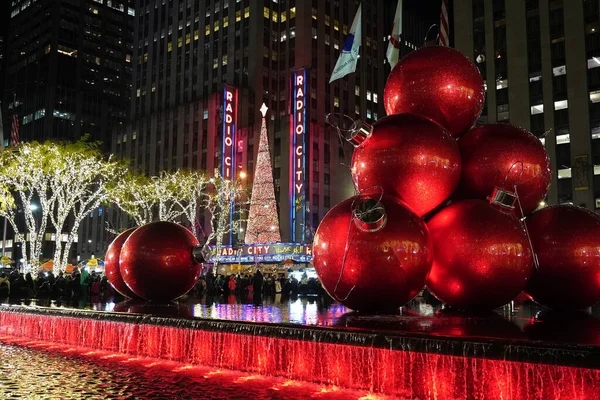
<point x="299" y="115"/>
<point x="230" y="102"/>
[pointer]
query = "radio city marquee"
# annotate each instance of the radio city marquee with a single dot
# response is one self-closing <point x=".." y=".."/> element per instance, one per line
<point x="264" y="253"/>
<point x="230" y="99"/>
<point x="298" y="132"/>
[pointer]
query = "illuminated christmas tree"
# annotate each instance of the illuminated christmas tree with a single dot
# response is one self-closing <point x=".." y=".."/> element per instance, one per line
<point x="263" y="222"/>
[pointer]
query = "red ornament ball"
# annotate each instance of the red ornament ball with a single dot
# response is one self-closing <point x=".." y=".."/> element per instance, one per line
<point x="372" y="254"/>
<point x="504" y="155"/>
<point x="111" y="264"/>
<point x="566" y="240"/>
<point x="436" y="82"/>
<point x="482" y="257"/>
<point x="157" y="263"/>
<point x="409" y="157"/>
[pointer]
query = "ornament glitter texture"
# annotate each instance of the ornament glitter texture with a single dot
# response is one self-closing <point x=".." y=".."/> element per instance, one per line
<point x="504" y="155"/>
<point x="409" y="157"/>
<point x="372" y="253"/>
<point x="566" y="240"/>
<point x="158" y="263"/>
<point x="111" y="264"/>
<point x="438" y="83"/>
<point x="482" y="257"/>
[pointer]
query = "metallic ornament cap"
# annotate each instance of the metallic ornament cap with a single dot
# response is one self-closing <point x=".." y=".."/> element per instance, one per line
<point x="359" y="133"/>
<point x="201" y="253"/>
<point x="369" y="215"/>
<point x="504" y="199"/>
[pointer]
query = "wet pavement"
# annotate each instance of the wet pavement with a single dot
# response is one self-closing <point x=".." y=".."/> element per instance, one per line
<point x="41" y="370"/>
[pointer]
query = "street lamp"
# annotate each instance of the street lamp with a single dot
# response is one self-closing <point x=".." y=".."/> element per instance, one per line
<point x="243" y="175"/>
<point x="33" y="206"/>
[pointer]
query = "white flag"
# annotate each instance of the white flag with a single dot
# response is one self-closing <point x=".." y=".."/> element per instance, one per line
<point x="346" y="64"/>
<point x="393" y="50"/>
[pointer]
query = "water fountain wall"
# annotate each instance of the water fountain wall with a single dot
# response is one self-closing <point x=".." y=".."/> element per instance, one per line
<point x="423" y="368"/>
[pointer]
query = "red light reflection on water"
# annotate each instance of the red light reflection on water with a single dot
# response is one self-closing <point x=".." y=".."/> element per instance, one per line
<point x="407" y="374"/>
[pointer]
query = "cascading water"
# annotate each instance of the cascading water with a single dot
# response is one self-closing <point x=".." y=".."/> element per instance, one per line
<point x="411" y="367"/>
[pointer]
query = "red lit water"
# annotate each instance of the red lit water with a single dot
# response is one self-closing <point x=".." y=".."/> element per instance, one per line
<point x="41" y="370"/>
<point x="407" y="374"/>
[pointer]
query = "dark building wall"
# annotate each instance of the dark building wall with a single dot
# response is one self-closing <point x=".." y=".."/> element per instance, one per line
<point x="540" y="62"/>
<point x="68" y="67"/>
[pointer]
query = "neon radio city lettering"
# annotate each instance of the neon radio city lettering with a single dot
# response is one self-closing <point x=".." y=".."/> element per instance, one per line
<point x="299" y="130"/>
<point x="229" y="128"/>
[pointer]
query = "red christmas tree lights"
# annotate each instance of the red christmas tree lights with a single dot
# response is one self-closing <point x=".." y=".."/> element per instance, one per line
<point x="263" y="221"/>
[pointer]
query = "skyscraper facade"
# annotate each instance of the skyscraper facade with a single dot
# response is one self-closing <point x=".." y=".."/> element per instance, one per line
<point x="186" y="51"/>
<point x="68" y="74"/>
<point x="541" y="63"/>
<point x="69" y="67"/>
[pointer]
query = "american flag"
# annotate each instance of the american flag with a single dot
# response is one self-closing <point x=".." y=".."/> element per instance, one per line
<point x="14" y="132"/>
<point x="444" y="25"/>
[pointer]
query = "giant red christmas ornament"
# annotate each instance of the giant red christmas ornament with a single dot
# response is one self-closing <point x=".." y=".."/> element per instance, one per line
<point x="372" y="253"/>
<point x="111" y="264"/>
<point x="439" y="83"/>
<point x="158" y="261"/>
<point x="409" y="157"/>
<point x="566" y="240"/>
<point x="482" y="256"/>
<point x="504" y="155"/>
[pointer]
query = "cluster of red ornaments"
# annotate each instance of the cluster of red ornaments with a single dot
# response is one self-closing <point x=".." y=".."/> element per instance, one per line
<point x="158" y="262"/>
<point x="440" y="205"/>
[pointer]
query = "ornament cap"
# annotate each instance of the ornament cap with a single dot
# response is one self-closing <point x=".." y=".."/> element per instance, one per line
<point x="360" y="132"/>
<point x="504" y="199"/>
<point x="369" y="215"/>
<point x="201" y="254"/>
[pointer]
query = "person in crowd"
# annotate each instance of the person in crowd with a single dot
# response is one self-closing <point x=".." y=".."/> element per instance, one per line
<point x="29" y="284"/>
<point x="294" y="286"/>
<point x="75" y="283"/>
<point x="257" y="282"/>
<point x="277" y="286"/>
<point x="231" y="285"/>
<point x="60" y="286"/>
<point x="4" y="286"/>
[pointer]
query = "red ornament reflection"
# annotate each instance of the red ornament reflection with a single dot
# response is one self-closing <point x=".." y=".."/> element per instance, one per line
<point x="504" y="155"/>
<point x="566" y="240"/>
<point x="111" y="264"/>
<point x="409" y="157"/>
<point x="388" y="253"/>
<point x="157" y="263"/>
<point x="482" y="257"/>
<point x="438" y="83"/>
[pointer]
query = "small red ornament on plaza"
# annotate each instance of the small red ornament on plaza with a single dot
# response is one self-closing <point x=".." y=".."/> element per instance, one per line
<point x="371" y="254"/>
<point x="439" y="83"/>
<point x="157" y="263"/>
<point x="112" y="266"/>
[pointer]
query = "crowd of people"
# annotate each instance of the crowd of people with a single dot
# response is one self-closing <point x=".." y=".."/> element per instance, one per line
<point x="92" y="287"/>
<point x="80" y="283"/>
<point x="256" y="283"/>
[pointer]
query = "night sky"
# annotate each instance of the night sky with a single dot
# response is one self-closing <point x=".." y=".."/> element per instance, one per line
<point x="428" y="10"/>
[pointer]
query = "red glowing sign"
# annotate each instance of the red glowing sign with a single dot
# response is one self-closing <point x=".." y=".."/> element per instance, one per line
<point x="230" y="97"/>
<point x="298" y="132"/>
<point x="299" y="129"/>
